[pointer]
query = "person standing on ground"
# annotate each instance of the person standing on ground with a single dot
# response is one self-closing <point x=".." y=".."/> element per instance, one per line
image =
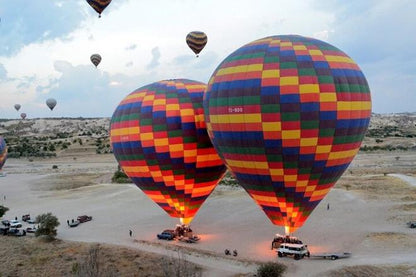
<point x="130" y="232"/>
<point x="327" y="206"/>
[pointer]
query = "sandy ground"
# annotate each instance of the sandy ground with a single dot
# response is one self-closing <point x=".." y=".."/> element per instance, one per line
<point x="229" y="218"/>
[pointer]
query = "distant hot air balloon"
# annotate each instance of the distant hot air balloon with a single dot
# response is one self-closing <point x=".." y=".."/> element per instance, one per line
<point x="159" y="138"/>
<point x="23" y="115"/>
<point x="95" y="59"/>
<point x="51" y="103"/>
<point x="99" y="5"/>
<point x="196" y="41"/>
<point x="287" y="115"/>
<point x="17" y="107"/>
<point x="3" y="152"/>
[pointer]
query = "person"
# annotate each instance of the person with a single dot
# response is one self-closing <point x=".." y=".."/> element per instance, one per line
<point x="130" y="232"/>
<point x="235" y="253"/>
<point x="227" y="252"/>
<point x="327" y="206"/>
<point x="67" y="221"/>
<point x="15" y="217"/>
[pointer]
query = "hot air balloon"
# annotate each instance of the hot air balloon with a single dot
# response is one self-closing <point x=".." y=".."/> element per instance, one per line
<point x="3" y="152"/>
<point x="95" y="59"/>
<point x="23" y="115"/>
<point x="159" y="139"/>
<point x="51" y="103"/>
<point x="99" y="5"/>
<point x="287" y="115"/>
<point x="17" y="107"/>
<point x="196" y="41"/>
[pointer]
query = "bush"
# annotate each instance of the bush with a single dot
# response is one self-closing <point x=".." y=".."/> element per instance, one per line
<point x="3" y="210"/>
<point x="120" y="177"/>
<point x="271" y="269"/>
<point x="47" y="224"/>
<point x="54" y="166"/>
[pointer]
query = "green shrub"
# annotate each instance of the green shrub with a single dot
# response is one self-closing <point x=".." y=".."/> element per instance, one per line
<point x="271" y="269"/>
<point x="47" y="224"/>
<point x="3" y="210"/>
<point x="120" y="177"/>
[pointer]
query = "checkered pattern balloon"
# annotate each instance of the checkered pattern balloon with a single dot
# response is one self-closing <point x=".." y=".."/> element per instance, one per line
<point x="3" y="152"/>
<point x="287" y="115"/>
<point x="159" y="138"/>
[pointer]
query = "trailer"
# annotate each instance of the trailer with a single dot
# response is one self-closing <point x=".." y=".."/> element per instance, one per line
<point x="331" y="256"/>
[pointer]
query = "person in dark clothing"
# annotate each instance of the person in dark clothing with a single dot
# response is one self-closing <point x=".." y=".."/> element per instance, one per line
<point x="130" y="232"/>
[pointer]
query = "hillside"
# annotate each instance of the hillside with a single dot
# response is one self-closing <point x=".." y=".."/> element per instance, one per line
<point x="57" y="136"/>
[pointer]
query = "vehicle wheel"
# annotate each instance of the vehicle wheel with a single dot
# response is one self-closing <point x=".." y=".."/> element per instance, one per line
<point x="279" y="254"/>
<point x="297" y="257"/>
<point x="333" y="257"/>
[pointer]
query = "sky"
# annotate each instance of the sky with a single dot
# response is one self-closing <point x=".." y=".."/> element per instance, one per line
<point x="45" y="47"/>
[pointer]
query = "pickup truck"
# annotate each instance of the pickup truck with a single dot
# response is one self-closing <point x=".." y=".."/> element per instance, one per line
<point x="84" y="218"/>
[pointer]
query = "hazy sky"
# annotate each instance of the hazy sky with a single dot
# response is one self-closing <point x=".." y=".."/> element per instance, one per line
<point x="45" y="46"/>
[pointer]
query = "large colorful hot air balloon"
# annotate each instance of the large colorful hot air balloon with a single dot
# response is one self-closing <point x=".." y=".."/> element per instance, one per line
<point x="196" y="41"/>
<point x="17" y="107"/>
<point x="99" y="5"/>
<point x="51" y="103"/>
<point x="159" y="138"/>
<point x="3" y="152"/>
<point x="23" y="115"/>
<point x="95" y="59"/>
<point x="287" y="115"/>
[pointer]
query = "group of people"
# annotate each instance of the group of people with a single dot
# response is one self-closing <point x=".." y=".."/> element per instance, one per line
<point x="228" y="252"/>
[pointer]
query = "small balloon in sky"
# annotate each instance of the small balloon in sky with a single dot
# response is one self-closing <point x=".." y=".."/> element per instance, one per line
<point x="99" y="5"/>
<point x="196" y="40"/>
<point x="95" y="59"/>
<point x="51" y="103"/>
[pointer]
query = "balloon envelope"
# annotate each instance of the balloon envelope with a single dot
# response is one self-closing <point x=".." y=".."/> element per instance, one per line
<point x="3" y="152"/>
<point x="17" y="107"/>
<point x="23" y="115"/>
<point x="51" y="103"/>
<point x="99" y="5"/>
<point x="159" y="138"/>
<point x="287" y="115"/>
<point x="196" y="40"/>
<point x="95" y="59"/>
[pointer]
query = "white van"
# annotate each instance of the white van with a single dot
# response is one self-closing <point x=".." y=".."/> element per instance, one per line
<point x="297" y="250"/>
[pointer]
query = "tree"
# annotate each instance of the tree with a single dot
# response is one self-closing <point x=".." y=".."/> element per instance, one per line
<point x="3" y="210"/>
<point x="47" y="225"/>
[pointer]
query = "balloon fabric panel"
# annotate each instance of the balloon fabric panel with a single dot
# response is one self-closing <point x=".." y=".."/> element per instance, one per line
<point x="159" y="138"/>
<point x="3" y="152"/>
<point x="287" y="114"/>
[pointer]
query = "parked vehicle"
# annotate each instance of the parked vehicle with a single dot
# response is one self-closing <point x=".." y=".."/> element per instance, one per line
<point x="31" y="221"/>
<point x="4" y="230"/>
<point x="25" y="217"/>
<point x="332" y="256"/>
<point x="298" y="251"/>
<point x="16" y="232"/>
<point x="5" y="222"/>
<point x="74" y="223"/>
<point x="167" y="235"/>
<point x="411" y="224"/>
<point x="31" y="229"/>
<point x="15" y="224"/>
<point x="84" y="218"/>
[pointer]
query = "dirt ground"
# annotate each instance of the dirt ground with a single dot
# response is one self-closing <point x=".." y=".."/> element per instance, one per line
<point x="369" y="208"/>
